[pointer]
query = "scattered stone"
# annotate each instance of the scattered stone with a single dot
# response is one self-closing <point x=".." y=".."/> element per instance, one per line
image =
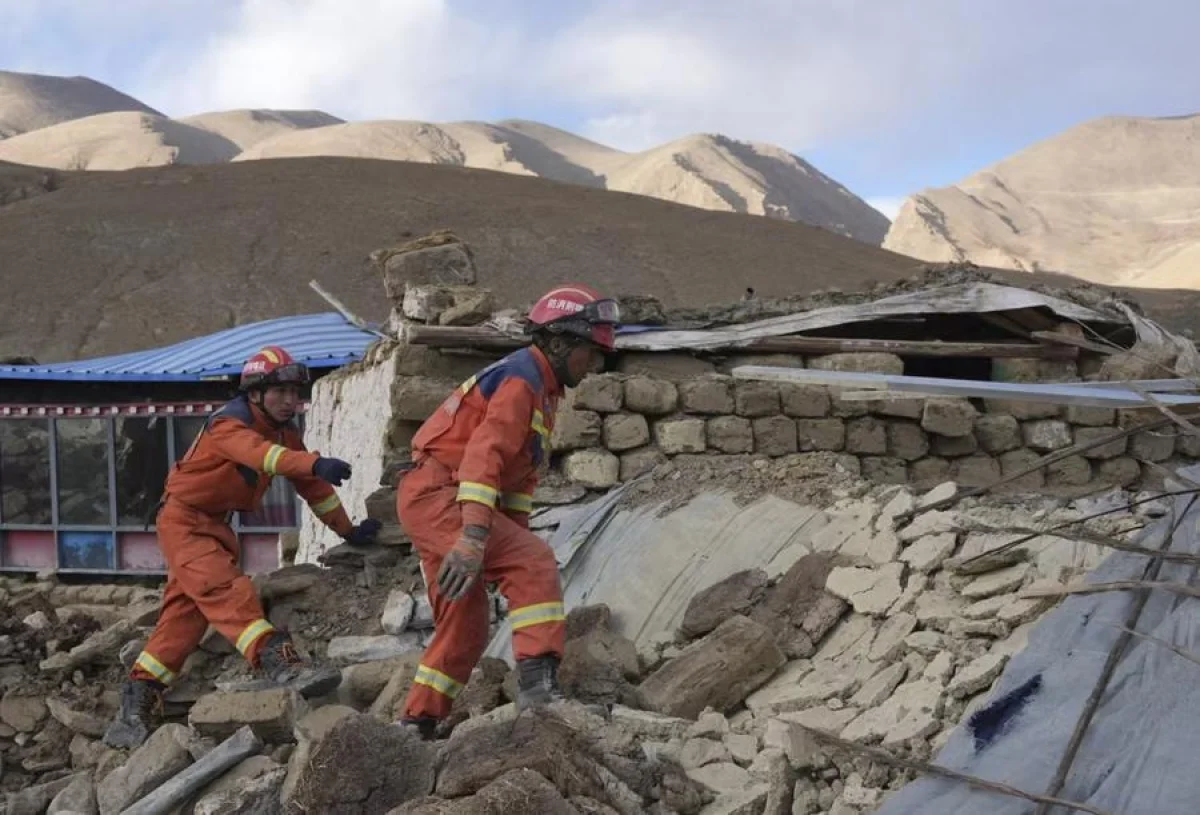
<point x="743" y="747"/>
<point x="33" y="800"/>
<point x="366" y="649"/>
<point x="676" y="436"/>
<point x="928" y="553"/>
<point x="737" y="594"/>
<point x="163" y="755"/>
<point x="625" y="431"/>
<point x="387" y="701"/>
<point x="644" y="724"/>
<point x="651" y="396"/>
<point x="929" y="523"/>
<point x="256" y="795"/>
<point x="698" y="752"/>
<point x="102" y="648"/>
<point x="309" y="731"/>
<point x="1000" y="582"/>
<point x="85" y="724"/>
<point x="22" y="712"/>
<point x="940" y="668"/>
<point x="718" y="671"/>
<point x="986" y="609"/>
<point x="978" y="675"/>
<point x="364" y="765"/>
<point x="397" y="612"/>
<point x="879" y="687"/>
<point x="79" y="796"/>
<point x="595" y="469"/>
<point x="723" y="778"/>
<point x="926" y="643"/>
<point x="870" y="591"/>
<point x="949" y="417"/>
<point x="889" y="642"/>
<point x="271" y="714"/>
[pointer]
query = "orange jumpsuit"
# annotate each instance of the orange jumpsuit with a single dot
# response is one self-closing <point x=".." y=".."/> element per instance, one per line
<point x="480" y="452"/>
<point x="228" y="468"/>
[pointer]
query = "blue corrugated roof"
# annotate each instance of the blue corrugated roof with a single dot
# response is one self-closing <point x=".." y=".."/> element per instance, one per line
<point x="319" y="340"/>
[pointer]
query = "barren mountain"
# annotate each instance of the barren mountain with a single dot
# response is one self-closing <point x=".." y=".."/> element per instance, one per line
<point x="1115" y="200"/>
<point x="248" y="127"/>
<point x="32" y="101"/>
<point x="117" y="141"/>
<point x="706" y="171"/>
<point x="99" y="263"/>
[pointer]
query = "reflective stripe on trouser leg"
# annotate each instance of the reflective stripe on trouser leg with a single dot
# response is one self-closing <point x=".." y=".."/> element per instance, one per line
<point x="250" y="635"/>
<point x="536" y="614"/>
<point x="147" y="666"/>
<point x="433" y="678"/>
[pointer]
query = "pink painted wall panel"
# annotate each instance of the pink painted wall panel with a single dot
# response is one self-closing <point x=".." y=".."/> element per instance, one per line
<point x="260" y="553"/>
<point x="28" y="549"/>
<point x="139" y="552"/>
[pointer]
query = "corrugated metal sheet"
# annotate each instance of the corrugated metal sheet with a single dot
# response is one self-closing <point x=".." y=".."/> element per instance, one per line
<point x="320" y="340"/>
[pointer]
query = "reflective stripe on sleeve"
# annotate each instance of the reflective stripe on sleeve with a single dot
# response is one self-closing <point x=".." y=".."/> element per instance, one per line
<point x="326" y="505"/>
<point x="479" y="493"/>
<point x="271" y="459"/>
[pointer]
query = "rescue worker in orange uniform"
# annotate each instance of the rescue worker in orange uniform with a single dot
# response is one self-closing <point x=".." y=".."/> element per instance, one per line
<point x="228" y="469"/>
<point x="466" y="505"/>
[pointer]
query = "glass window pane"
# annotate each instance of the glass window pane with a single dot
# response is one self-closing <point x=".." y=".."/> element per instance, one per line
<point x="86" y="550"/>
<point x="278" y="507"/>
<point x="141" y="467"/>
<point x="25" y="471"/>
<point x="83" y="472"/>
<point x="186" y="430"/>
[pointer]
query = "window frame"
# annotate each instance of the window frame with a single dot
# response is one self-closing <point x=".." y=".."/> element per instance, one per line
<point x="115" y="529"/>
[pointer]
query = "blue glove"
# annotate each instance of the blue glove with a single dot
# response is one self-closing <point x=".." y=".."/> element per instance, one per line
<point x="364" y="534"/>
<point x="333" y="470"/>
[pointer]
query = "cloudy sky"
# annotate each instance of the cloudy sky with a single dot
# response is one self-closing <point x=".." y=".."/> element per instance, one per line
<point x="886" y="96"/>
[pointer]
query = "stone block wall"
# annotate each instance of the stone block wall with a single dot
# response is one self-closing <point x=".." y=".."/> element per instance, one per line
<point x="654" y="406"/>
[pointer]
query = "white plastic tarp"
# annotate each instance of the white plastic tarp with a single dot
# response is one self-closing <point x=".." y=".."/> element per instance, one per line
<point x="647" y="568"/>
<point x="1139" y="756"/>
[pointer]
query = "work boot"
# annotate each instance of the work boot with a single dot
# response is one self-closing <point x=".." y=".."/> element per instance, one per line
<point x="141" y="712"/>
<point x="426" y="726"/>
<point x="283" y="666"/>
<point x="537" y="682"/>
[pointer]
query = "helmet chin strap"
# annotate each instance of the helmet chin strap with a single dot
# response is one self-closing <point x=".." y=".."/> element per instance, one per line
<point x="262" y="407"/>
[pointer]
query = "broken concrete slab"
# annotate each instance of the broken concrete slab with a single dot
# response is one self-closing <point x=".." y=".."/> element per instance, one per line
<point x="647" y="725"/>
<point x="397" y="612"/>
<point x="870" y="591"/>
<point x="718" y="671"/>
<point x="929" y="552"/>
<point x="271" y="714"/>
<point x="977" y="675"/>
<point x="889" y="642"/>
<point x="999" y="582"/>
<point x="367" y="649"/>
<point x="162" y="756"/>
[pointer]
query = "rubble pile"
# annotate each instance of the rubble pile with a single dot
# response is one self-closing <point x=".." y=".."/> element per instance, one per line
<point x="884" y="634"/>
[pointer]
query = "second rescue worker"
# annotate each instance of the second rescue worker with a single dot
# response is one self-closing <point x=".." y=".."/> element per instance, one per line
<point x="466" y="505"/>
<point x="228" y="469"/>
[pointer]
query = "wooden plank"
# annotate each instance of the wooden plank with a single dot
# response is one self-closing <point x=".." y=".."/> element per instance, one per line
<point x="1051" y="393"/>
<point x="1075" y="342"/>
<point x="437" y="336"/>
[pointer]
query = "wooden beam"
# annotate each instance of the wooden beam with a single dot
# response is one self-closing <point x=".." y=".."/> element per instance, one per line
<point x="1074" y="342"/>
<point x="437" y="336"/>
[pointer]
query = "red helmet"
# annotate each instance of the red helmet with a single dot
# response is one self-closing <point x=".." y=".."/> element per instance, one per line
<point x="578" y="310"/>
<point x="272" y="366"/>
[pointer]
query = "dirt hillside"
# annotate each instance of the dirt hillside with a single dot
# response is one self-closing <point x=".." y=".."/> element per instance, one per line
<point x="99" y="263"/>
<point x="1112" y="201"/>
<point x="32" y="101"/>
